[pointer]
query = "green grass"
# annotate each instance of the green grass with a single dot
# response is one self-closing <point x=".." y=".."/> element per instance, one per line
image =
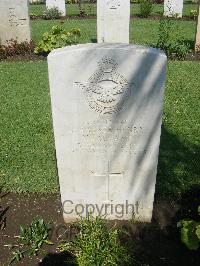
<point x="142" y="31"/>
<point x="27" y="161"/>
<point x="27" y="149"/>
<point x="179" y="168"/>
<point x="72" y="10"/>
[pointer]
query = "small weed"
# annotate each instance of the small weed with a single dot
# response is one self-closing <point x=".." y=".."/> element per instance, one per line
<point x="31" y="239"/>
<point x="190" y="233"/>
<point x="97" y="244"/>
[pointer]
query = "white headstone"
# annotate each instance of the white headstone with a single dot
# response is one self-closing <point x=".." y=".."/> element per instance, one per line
<point x="107" y="102"/>
<point x="173" y="8"/>
<point x="113" y="17"/>
<point x="14" y="21"/>
<point x="60" y="4"/>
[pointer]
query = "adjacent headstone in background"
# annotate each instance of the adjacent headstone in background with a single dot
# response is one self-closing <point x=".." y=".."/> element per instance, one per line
<point x="14" y="21"/>
<point x="113" y="17"/>
<point x="197" y="41"/>
<point x="107" y="102"/>
<point x="173" y="8"/>
<point x="60" y="4"/>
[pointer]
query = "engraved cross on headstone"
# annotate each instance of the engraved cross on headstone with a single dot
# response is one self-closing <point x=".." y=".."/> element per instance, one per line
<point x="108" y="174"/>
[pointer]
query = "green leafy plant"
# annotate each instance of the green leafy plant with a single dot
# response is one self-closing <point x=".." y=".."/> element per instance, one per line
<point x="31" y="239"/>
<point x="193" y="14"/>
<point x="171" y="40"/>
<point x="56" y="38"/>
<point x="190" y="233"/>
<point x="146" y="7"/>
<point x="12" y="48"/>
<point x="97" y="244"/>
<point x="52" y="13"/>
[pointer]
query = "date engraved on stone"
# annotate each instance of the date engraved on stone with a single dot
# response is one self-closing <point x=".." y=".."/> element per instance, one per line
<point x="106" y="91"/>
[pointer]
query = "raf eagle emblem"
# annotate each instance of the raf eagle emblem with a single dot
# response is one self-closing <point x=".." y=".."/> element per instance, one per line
<point x="106" y="91"/>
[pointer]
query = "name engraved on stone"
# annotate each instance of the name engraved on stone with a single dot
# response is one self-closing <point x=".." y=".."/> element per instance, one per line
<point x="106" y="91"/>
<point x="101" y="138"/>
<point x="14" y="20"/>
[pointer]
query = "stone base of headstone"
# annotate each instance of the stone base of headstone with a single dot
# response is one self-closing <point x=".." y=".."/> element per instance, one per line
<point x="107" y="102"/>
<point x="14" y="21"/>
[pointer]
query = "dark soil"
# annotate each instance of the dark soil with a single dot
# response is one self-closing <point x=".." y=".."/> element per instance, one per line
<point x="34" y="57"/>
<point x="154" y="17"/>
<point x="156" y="244"/>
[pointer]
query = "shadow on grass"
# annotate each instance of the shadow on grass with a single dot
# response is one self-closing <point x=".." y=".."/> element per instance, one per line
<point x="178" y="167"/>
<point x="94" y="40"/>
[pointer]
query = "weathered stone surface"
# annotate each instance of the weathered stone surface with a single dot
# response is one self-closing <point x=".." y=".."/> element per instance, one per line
<point x="14" y="21"/>
<point x="173" y="8"/>
<point x="197" y="42"/>
<point x="60" y="4"/>
<point x="107" y="106"/>
<point x="113" y="17"/>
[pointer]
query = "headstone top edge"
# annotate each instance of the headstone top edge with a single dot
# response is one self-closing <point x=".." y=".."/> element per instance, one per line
<point x="93" y="46"/>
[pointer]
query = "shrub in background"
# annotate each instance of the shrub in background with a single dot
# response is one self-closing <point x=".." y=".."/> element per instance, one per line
<point x="52" y="13"/>
<point x="57" y="37"/>
<point x="13" y="48"/>
<point x="171" y="39"/>
<point x="193" y="14"/>
<point x="146" y="7"/>
<point x="33" y="15"/>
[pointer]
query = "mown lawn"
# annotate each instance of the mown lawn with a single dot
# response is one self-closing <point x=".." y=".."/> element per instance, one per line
<point x="142" y="31"/>
<point x="90" y="9"/>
